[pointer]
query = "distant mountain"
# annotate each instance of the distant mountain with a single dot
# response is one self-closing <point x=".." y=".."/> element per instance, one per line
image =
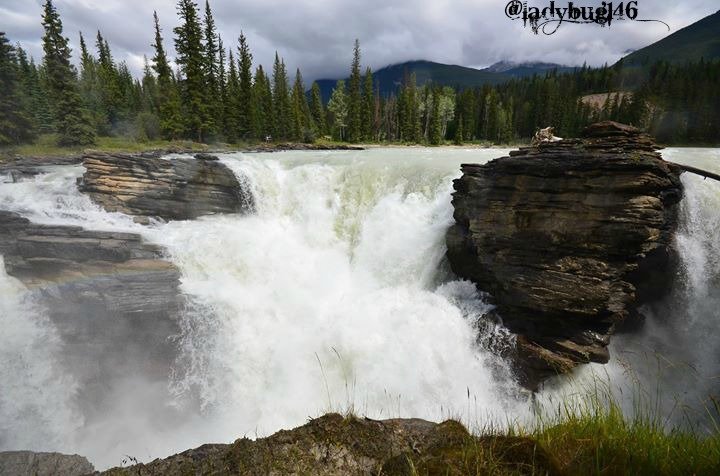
<point x="699" y="40"/>
<point x="389" y="78"/>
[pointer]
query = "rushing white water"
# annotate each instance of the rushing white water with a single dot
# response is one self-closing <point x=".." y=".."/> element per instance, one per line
<point x="333" y="296"/>
<point x="35" y="392"/>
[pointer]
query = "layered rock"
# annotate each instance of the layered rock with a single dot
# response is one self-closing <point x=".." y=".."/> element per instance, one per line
<point x="177" y="189"/>
<point x="569" y="238"/>
<point x="113" y="298"/>
<point x="334" y="445"/>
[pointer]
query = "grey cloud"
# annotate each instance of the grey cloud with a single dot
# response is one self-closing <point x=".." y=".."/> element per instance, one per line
<point x="317" y="35"/>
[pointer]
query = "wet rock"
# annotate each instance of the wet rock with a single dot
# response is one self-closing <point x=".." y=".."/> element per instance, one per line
<point x="337" y="445"/>
<point x="20" y="168"/>
<point x="113" y="298"/>
<point x="29" y="463"/>
<point x="569" y="238"/>
<point x="203" y="156"/>
<point x="177" y="189"/>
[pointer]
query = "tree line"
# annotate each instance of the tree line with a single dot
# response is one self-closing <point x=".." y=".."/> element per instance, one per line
<point x="214" y="95"/>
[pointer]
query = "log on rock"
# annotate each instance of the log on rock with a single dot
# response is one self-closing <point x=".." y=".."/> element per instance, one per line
<point x="171" y="189"/>
<point x="568" y="238"/>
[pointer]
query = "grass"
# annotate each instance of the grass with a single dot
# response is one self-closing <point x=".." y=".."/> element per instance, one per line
<point x="595" y="438"/>
<point x="46" y="146"/>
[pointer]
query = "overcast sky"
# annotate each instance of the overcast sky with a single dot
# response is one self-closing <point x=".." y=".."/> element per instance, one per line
<point x="318" y="35"/>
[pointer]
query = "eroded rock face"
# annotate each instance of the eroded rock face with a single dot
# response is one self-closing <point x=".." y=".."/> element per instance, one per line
<point x="337" y="445"/>
<point x="177" y="189"/>
<point x="568" y="238"/>
<point x="22" y="463"/>
<point x="113" y="298"/>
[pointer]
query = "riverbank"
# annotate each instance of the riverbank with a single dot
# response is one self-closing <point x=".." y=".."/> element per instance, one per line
<point x="46" y="146"/>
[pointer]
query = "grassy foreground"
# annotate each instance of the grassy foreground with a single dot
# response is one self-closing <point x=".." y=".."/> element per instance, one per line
<point x="586" y="440"/>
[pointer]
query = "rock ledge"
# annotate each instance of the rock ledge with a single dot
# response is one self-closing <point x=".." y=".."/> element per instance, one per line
<point x="569" y="238"/>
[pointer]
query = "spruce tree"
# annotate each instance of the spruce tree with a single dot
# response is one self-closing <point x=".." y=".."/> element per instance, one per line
<point x="222" y="90"/>
<point x="354" y="120"/>
<point x="192" y="62"/>
<point x="232" y="119"/>
<point x="71" y="120"/>
<point x="368" y="107"/>
<point x="36" y="92"/>
<point x="458" y="140"/>
<point x="15" y="119"/>
<point x="281" y="100"/>
<point x="264" y="113"/>
<point x="317" y="110"/>
<point x="302" y="119"/>
<point x="169" y="107"/>
<point x="212" y="71"/>
<point x="245" y="77"/>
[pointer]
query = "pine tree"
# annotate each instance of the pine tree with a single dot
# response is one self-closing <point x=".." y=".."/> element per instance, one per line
<point x="264" y="113"/>
<point x="232" y="119"/>
<point x="368" y="107"/>
<point x="15" y="120"/>
<point x="245" y="76"/>
<point x="71" y="120"/>
<point x="191" y="60"/>
<point x="354" y="126"/>
<point x="281" y="100"/>
<point x="212" y="72"/>
<point x="39" y="107"/>
<point x="338" y="107"/>
<point x="459" y="131"/>
<point x="90" y="89"/>
<point x="317" y="110"/>
<point x="223" y="109"/>
<point x="169" y="107"/>
<point x="108" y="87"/>
<point x="302" y="120"/>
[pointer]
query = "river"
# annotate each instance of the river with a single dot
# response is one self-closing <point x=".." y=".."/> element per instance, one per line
<point x="333" y="296"/>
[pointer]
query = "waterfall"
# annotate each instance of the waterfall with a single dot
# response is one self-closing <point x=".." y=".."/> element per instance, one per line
<point x="333" y="296"/>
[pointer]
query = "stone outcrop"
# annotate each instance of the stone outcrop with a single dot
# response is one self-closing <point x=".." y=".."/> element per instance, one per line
<point x="568" y="238"/>
<point x="28" y="463"/>
<point x="337" y="445"/>
<point x="19" y="168"/>
<point x="171" y="189"/>
<point x="113" y="298"/>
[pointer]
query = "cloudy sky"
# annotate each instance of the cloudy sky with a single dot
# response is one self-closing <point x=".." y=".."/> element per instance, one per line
<point x="317" y="35"/>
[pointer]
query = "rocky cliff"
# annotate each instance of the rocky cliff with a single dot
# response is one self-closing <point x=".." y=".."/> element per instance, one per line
<point x="113" y="298"/>
<point x="568" y="238"/>
<point x="337" y="445"/>
<point x="177" y="189"/>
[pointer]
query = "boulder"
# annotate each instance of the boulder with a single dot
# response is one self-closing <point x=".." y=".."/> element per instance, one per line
<point x="171" y="189"/>
<point x="337" y="445"/>
<point x="29" y="463"/>
<point x="568" y="238"/>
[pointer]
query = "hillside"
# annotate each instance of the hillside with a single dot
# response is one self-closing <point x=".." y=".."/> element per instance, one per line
<point x="699" y="40"/>
<point x="389" y="78"/>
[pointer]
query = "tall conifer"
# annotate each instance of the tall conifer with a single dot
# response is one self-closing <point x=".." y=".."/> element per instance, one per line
<point x="71" y="120"/>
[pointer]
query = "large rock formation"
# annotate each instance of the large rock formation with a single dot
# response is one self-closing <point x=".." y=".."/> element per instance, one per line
<point x="177" y="189"/>
<point x="28" y="463"/>
<point x="113" y="298"/>
<point x="333" y="445"/>
<point x="568" y="238"/>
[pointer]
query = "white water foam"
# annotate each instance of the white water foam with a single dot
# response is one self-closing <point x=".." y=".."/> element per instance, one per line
<point x="329" y="297"/>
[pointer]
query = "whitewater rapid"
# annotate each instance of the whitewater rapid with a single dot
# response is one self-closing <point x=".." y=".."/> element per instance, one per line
<point x="333" y="296"/>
